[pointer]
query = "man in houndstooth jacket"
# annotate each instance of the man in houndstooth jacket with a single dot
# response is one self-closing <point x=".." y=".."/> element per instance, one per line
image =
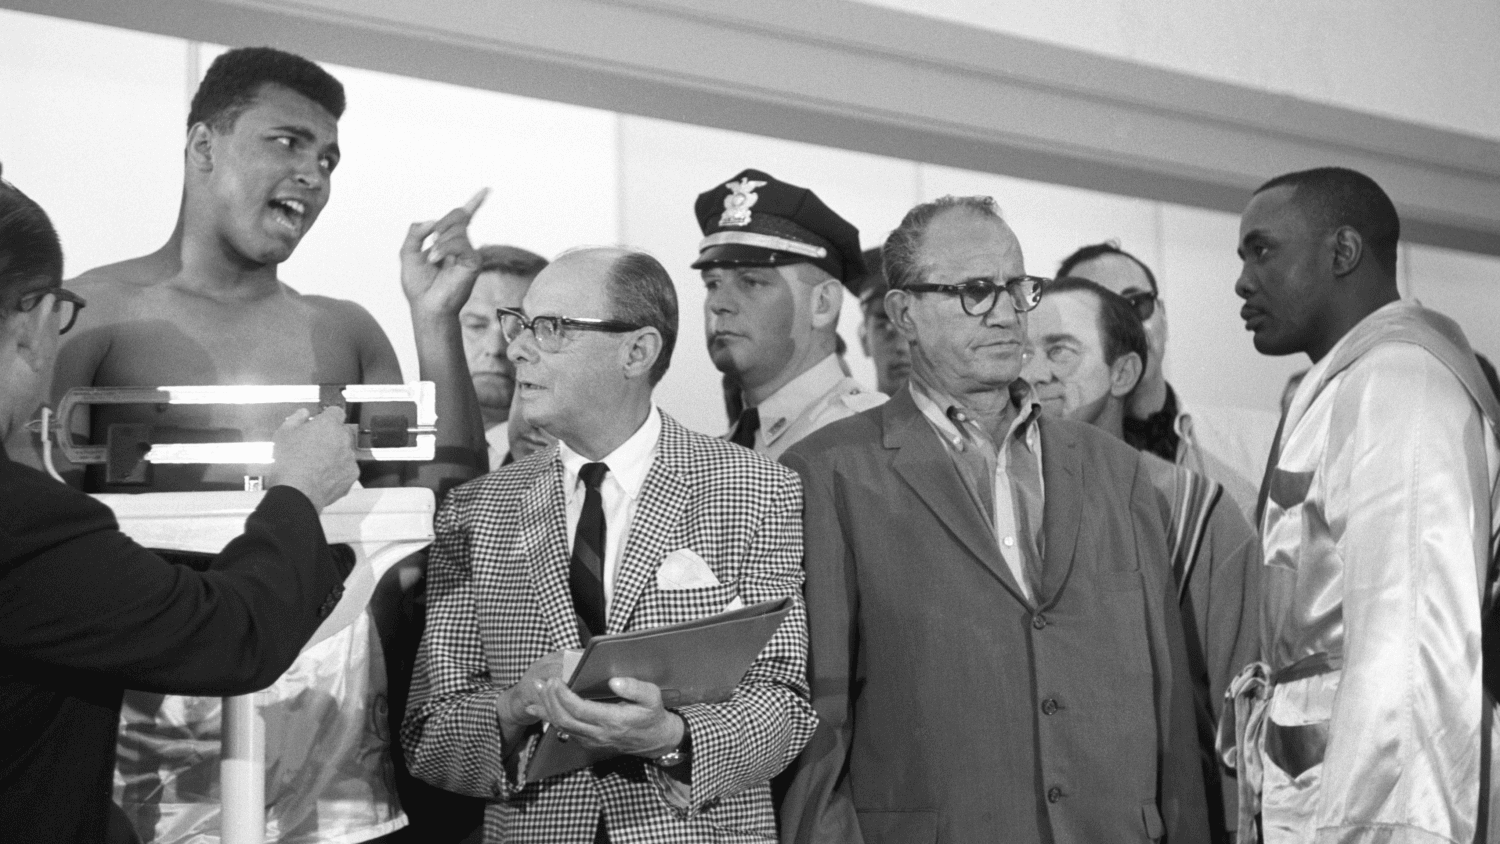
<point x="691" y="524"/>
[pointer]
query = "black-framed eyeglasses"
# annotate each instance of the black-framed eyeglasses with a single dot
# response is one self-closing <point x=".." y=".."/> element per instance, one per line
<point x="552" y="331"/>
<point x="68" y="304"/>
<point x="1143" y="301"/>
<point x="979" y="296"/>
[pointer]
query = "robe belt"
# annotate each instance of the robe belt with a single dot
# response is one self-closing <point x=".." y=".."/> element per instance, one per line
<point x="1244" y="729"/>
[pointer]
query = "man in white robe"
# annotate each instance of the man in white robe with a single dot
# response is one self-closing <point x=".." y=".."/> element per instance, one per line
<point x="1378" y="514"/>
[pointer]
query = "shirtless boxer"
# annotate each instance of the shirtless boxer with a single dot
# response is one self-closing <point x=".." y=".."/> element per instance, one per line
<point x="208" y="308"/>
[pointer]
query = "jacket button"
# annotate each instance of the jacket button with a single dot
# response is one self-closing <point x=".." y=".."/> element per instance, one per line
<point x="1054" y="794"/>
<point x="1039" y="621"/>
<point x="1050" y="707"/>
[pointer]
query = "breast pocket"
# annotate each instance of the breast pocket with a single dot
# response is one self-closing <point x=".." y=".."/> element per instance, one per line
<point x="669" y="606"/>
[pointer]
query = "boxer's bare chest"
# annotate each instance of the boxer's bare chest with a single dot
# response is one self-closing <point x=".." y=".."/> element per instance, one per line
<point x="164" y="338"/>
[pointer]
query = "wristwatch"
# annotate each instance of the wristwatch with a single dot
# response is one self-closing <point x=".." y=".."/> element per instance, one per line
<point x="679" y="754"/>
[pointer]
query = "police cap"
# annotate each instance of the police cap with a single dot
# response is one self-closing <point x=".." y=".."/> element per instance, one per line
<point x="755" y="220"/>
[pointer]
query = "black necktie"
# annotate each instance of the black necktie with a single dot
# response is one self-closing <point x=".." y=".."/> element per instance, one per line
<point x="744" y="430"/>
<point x="586" y="569"/>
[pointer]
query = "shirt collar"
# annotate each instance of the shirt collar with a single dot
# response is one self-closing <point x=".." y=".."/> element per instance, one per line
<point x="498" y="436"/>
<point x="628" y="464"/>
<point x="783" y="406"/>
<point x="934" y="404"/>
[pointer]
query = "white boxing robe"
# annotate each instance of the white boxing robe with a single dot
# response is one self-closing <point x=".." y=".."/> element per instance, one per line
<point x="1378" y="532"/>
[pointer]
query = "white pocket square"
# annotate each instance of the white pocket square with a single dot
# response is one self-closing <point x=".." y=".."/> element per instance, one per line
<point x="684" y="569"/>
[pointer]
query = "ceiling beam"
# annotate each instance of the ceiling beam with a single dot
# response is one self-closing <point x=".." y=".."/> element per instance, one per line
<point x="866" y="78"/>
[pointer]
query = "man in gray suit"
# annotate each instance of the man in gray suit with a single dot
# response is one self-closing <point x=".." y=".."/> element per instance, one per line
<point x="997" y="653"/>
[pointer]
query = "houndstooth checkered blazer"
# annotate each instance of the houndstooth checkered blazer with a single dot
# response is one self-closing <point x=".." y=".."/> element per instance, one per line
<point x="498" y="600"/>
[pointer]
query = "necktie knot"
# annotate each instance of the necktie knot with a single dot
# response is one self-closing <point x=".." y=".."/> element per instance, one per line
<point x="592" y="474"/>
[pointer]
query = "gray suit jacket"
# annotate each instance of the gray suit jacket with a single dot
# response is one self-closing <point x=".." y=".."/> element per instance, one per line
<point x="950" y="709"/>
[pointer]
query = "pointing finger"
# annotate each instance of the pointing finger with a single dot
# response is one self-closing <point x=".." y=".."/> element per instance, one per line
<point x="474" y="202"/>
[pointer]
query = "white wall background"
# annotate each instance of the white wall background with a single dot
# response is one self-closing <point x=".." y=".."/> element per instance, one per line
<point x="91" y="124"/>
<point x="1435" y="62"/>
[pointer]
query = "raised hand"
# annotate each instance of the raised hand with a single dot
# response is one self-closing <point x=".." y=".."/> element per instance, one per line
<point x="437" y="279"/>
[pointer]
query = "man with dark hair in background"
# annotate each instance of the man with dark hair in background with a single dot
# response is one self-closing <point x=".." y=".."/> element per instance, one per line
<point x="997" y="649"/>
<point x="1088" y="350"/>
<point x="630" y="523"/>
<point x="505" y="272"/>
<point x="879" y="339"/>
<point x="1226" y="446"/>
<point x="85" y="612"/>
<point x="208" y="307"/>
<point x="775" y="261"/>
<point x="1369" y="718"/>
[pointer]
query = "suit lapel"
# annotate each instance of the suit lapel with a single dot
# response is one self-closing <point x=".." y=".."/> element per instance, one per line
<point x="544" y="541"/>
<point x="925" y="465"/>
<point x="663" y="500"/>
<point x="1062" y="474"/>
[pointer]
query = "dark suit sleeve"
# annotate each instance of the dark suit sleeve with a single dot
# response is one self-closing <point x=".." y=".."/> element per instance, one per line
<point x="77" y="594"/>
<point x="817" y="806"/>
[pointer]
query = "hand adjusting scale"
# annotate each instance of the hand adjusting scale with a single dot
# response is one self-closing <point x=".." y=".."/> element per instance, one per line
<point x="128" y="447"/>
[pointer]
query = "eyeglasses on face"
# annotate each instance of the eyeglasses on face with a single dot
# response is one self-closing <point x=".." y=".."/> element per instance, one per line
<point x="1143" y="301"/>
<point x="552" y="331"/>
<point x="979" y="296"/>
<point x="67" y="303"/>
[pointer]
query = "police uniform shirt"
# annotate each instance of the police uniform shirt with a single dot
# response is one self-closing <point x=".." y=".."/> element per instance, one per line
<point x="821" y="395"/>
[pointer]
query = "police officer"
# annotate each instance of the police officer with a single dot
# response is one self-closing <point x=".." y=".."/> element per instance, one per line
<point x="774" y="260"/>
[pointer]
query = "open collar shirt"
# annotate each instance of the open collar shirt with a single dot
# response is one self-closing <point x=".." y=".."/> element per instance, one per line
<point x="1016" y="469"/>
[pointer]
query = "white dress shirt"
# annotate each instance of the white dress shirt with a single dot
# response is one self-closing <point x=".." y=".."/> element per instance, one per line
<point x="498" y="436"/>
<point x="619" y="491"/>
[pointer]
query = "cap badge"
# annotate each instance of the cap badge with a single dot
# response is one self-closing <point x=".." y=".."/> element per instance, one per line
<point x="739" y="201"/>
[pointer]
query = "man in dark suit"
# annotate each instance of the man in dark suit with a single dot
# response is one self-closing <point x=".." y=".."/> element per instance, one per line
<point x="85" y="612"/>
<point x="997" y="653"/>
<point x="631" y="522"/>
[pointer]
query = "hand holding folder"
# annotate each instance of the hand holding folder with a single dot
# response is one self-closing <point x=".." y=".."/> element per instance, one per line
<point x="699" y="661"/>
